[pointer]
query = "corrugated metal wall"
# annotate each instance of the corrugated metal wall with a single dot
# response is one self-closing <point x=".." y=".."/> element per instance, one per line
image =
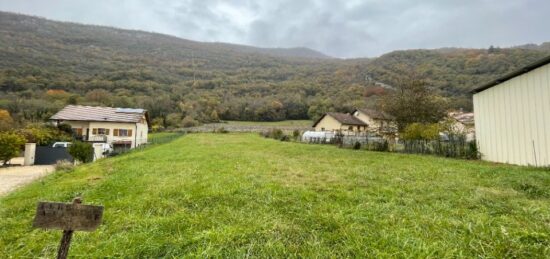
<point x="512" y="120"/>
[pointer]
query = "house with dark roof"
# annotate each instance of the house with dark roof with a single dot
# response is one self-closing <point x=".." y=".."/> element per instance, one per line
<point x="379" y="122"/>
<point x="512" y="116"/>
<point x="121" y="127"/>
<point x="340" y="122"/>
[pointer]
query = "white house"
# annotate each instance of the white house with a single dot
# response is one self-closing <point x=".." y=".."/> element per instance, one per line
<point x="121" y="127"/>
<point x="512" y="116"/>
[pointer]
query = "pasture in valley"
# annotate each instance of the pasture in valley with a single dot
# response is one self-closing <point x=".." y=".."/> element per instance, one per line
<point x="253" y="126"/>
<point x="237" y="195"/>
<point x="296" y="123"/>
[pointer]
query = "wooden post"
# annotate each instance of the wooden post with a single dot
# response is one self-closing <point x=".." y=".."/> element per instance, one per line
<point x="63" y="250"/>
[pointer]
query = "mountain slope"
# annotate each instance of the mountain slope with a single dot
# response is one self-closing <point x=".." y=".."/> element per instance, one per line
<point x="46" y="64"/>
<point x="72" y="34"/>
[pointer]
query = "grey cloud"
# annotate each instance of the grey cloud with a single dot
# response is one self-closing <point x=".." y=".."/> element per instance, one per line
<point x="345" y="28"/>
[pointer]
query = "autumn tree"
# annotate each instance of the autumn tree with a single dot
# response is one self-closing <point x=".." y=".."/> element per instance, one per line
<point x="10" y="145"/>
<point x="413" y="102"/>
<point x="99" y="96"/>
<point x="6" y="121"/>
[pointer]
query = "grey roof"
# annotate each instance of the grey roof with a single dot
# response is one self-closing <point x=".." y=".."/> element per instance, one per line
<point x="509" y="76"/>
<point x="97" y="113"/>
<point x="344" y="118"/>
<point x="375" y="114"/>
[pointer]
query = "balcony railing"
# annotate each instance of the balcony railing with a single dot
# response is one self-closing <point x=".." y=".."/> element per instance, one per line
<point x="94" y="138"/>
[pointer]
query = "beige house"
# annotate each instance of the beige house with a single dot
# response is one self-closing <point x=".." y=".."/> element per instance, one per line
<point x="121" y="127"/>
<point x="379" y="122"/>
<point x="512" y="116"/>
<point x="340" y="122"/>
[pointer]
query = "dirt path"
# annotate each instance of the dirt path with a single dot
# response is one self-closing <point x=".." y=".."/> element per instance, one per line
<point x="16" y="176"/>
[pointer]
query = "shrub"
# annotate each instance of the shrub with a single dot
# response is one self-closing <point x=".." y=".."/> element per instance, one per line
<point x="273" y="133"/>
<point x="44" y="135"/>
<point x="10" y="145"/>
<point x="188" y="121"/>
<point x="382" y="146"/>
<point x="472" y="150"/>
<point x="64" y="165"/>
<point x="221" y="130"/>
<point x="296" y="134"/>
<point x="357" y="145"/>
<point x="82" y="151"/>
<point x="66" y="128"/>
<point x="277" y="134"/>
<point x="416" y="131"/>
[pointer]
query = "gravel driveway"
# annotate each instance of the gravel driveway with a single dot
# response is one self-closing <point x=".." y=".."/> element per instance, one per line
<point x="16" y="176"/>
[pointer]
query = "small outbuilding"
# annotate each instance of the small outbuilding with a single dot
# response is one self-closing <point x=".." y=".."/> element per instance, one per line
<point x="512" y="116"/>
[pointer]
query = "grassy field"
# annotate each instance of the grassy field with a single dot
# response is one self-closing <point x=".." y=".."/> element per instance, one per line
<point x="162" y="137"/>
<point x="238" y="195"/>
<point x="295" y="123"/>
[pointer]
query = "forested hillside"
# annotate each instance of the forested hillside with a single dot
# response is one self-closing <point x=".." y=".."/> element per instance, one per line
<point x="45" y="65"/>
<point x="452" y="71"/>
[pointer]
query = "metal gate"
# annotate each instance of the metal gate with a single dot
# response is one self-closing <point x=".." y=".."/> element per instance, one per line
<point x="50" y="155"/>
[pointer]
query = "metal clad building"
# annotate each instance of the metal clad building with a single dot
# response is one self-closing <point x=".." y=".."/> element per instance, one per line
<point x="512" y="117"/>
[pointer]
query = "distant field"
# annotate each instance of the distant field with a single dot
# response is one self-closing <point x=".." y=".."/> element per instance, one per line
<point x="253" y="126"/>
<point x="239" y="195"/>
<point x="300" y="123"/>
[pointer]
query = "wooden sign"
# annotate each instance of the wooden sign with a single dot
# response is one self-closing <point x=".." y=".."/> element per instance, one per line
<point x="67" y="216"/>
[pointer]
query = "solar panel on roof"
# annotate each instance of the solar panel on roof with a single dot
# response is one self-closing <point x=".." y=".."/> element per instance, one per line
<point x="129" y="110"/>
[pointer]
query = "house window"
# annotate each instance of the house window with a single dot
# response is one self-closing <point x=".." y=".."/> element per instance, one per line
<point x="122" y="132"/>
<point x="77" y="131"/>
<point x="100" y="131"/>
<point x="322" y="129"/>
<point x="350" y="128"/>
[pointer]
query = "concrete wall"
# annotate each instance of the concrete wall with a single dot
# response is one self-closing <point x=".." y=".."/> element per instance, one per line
<point x="512" y="120"/>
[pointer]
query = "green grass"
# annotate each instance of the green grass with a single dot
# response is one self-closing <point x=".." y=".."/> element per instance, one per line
<point x="231" y="195"/>
<point x="158" y="135"/>
<point x="296" y="123"/>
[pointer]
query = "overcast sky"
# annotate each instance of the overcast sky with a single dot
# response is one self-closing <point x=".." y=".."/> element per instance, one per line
<point x="347" y="28"/>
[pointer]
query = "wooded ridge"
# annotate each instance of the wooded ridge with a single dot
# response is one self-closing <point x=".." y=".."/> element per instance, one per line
<point x="45" y="65"/>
